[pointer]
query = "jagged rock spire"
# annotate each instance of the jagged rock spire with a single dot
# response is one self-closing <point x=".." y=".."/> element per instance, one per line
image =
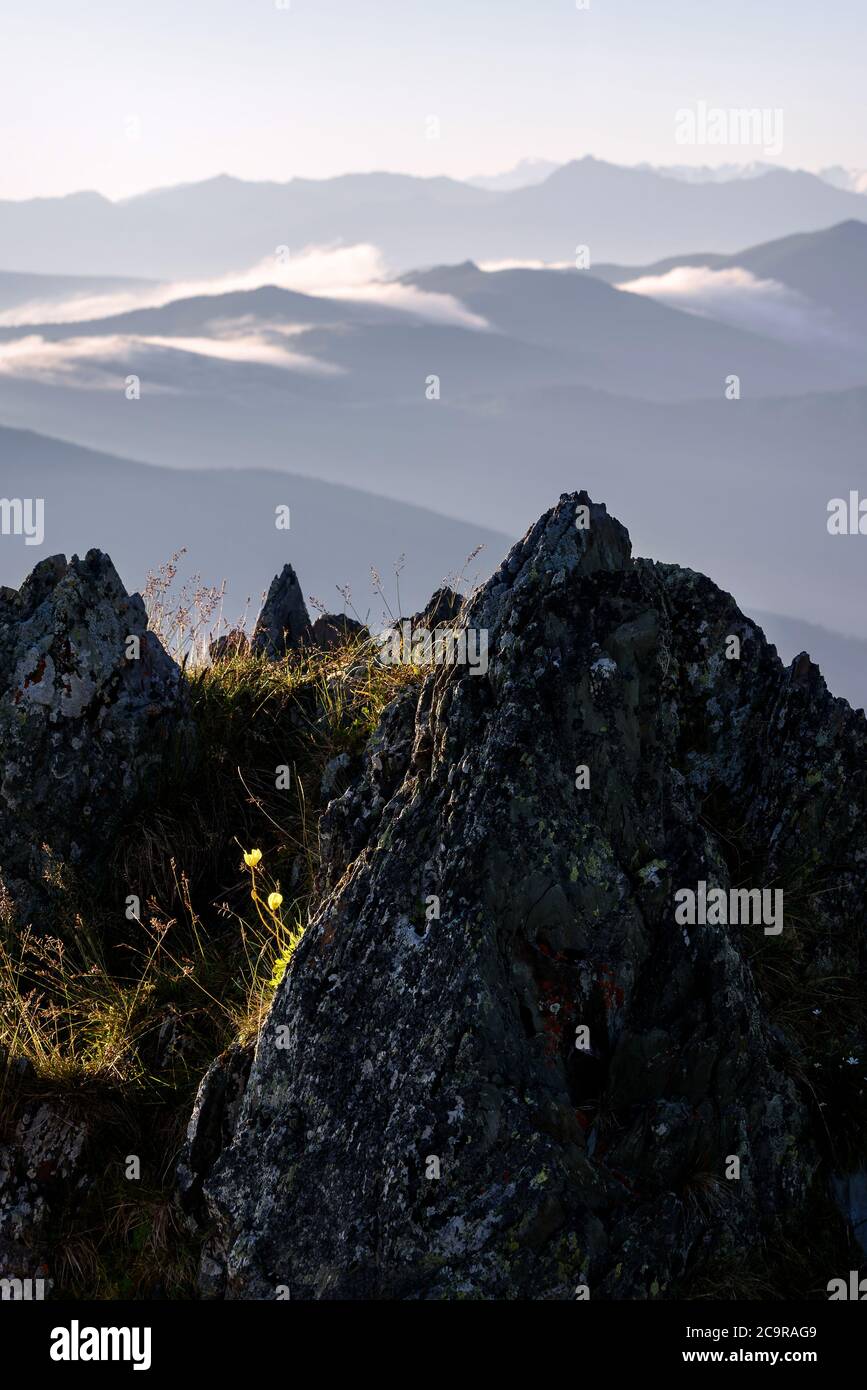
<point x="90" y="708"/>
<point x="284" y="621"/>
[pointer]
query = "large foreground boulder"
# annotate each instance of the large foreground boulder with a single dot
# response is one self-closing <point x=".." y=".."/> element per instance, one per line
<point x="91" y="709"/>
<point x="505" y="1061"/>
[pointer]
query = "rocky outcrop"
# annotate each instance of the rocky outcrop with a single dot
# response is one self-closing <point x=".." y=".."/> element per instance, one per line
<point x="426" y="1116"/>
<point x="284" y="626"/>
<point x="91" y="713"/>
<point x="333" y="630"/>
<point x="284" y="621"/>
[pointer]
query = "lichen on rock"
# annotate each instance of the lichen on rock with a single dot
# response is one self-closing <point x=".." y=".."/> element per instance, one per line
<point x="418" y="1120"/>
<point x="91" y="713"/>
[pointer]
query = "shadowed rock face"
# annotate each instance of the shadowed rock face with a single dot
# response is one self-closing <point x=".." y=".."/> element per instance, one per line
<point x="284" y="621"/>
<point x="85" y="726"/>
<point x="478" y="908"/>
<point x="443" y="607"/>
<point x="46" y="1166"/>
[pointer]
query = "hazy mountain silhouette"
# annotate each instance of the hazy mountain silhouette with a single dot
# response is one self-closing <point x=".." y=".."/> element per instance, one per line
<point x="141" y="515"/>
<point x="533" y="170"/>
<point x="522" y="175"/>
<point x="194" y="314"/>
<point x="224" y="223"/>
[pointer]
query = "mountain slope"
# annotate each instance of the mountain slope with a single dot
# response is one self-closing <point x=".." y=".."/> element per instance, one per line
<point x="636" y="346"/>
<point x="226" y="522"/>
<point x="17" y="289"/>
<point x="828" y="267"/>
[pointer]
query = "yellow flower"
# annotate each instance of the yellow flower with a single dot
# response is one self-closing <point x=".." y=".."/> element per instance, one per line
<point x="274" y="901"/>
<point x="252" y="858"/>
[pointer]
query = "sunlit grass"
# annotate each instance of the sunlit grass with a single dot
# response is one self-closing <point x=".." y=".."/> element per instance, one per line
<point x="122" y="1014"/>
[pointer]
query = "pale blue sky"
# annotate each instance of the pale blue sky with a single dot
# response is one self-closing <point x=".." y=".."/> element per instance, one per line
<point x="329" y="86"/>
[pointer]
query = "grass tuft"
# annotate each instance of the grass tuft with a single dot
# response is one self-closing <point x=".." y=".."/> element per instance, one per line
<point x="115" y="1018"/>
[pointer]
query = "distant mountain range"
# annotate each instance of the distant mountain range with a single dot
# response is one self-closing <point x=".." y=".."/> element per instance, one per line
<point x="468" y="398"/>
<point x="622" y="215"/>
<point x="508" y="329"/>
<point x="533" y="170"/>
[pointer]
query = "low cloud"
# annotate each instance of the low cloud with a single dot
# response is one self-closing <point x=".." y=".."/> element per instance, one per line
<point x="737" y="297"/>
<point x="94" y="362"/>
<point x="254" y="347"/>
<point x="72" y="362"/>
<point x="356" y="273"/>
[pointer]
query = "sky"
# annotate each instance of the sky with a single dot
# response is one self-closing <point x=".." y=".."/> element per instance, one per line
<point x="120" y="98"/>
